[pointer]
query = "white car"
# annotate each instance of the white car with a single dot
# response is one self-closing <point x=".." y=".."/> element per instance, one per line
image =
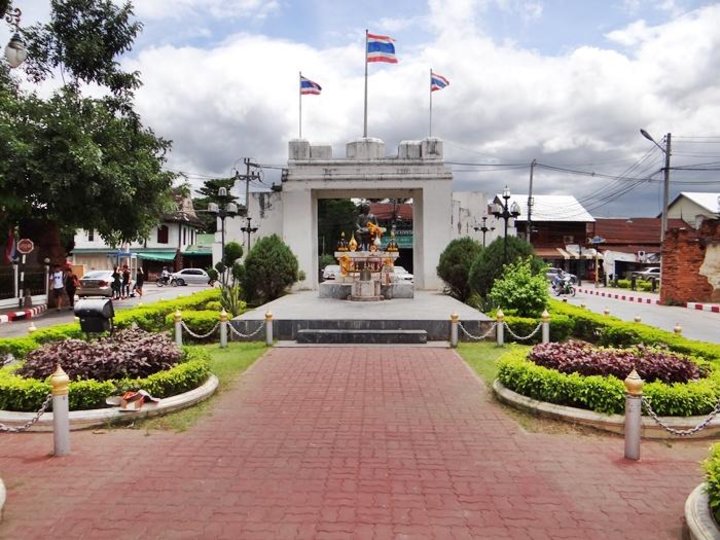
<point x="402" y="275"/>
<point x="190" y="276"/>
<point x="331" y="271"/>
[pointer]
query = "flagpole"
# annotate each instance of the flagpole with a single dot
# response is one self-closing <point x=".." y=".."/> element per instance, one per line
<point x="366" y="71"/>
<point x="300" y="105"/>
<point x="430" y="130"/>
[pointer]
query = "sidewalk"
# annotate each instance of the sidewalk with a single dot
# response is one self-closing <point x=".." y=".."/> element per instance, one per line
<point x="621" y="294"/>
<point x="334" y="443"/>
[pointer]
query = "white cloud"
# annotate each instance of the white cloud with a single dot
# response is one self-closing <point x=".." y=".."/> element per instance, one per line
<point x="218" y="9"/>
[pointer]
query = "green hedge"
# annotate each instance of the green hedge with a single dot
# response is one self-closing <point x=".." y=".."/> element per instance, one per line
<point x="27" y="395"/>
<point x="604" y="394"/>
<point x="712" y="479"/>
<point x="560" y="328"/>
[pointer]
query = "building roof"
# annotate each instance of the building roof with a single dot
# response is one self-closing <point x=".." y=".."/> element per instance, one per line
<point x="386" y="211"/>
<point x="550" y="208"/>
<point x="709" y="201"/>
<point x="636" y="232"/>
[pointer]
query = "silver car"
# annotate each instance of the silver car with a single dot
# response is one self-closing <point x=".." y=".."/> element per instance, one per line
<point x="96" y="283"/>
<point x="190" y="276"/>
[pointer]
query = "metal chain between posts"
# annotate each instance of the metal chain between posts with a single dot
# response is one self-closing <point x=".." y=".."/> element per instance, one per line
<point x="198" y="336"/>
<point x="32" y="421"/>
<point x="245" y="336"/>
<point x="519" y="338"/>
<point x="9" y="359"/>
<point x="680" y="432"/>
<point x="484" y="336"/>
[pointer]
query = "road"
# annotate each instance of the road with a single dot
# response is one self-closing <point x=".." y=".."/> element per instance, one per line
<point x="701" y="325"/>
<point x="152" y="293"/>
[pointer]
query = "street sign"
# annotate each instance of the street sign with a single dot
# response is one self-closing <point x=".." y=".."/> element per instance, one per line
<point x="25" y="246"/>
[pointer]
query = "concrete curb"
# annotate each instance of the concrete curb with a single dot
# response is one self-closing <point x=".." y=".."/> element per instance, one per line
<point x="101" y="417"/>
<point x="621" y="296"/>
<point x="613" y="423"/>
<point x="714" y="308"/>
<point x="700" y="522"/>
<point x="23" y="314"/>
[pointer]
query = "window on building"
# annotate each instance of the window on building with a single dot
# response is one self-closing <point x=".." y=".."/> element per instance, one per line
<point x="163" y="234"/>
<point x="184" y="236"/>
<point x="91" y="235"/>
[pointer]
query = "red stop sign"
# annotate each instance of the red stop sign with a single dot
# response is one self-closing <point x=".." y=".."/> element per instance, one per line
<point x="25" y="246"/>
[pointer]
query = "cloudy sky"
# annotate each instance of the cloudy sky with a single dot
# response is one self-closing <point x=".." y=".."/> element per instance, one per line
<point x="563" y="82"/>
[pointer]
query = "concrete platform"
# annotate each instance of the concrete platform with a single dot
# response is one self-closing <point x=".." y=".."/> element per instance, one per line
<point x="428" y="310"/>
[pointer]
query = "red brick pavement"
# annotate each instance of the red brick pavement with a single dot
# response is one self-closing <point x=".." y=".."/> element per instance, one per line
<point x="347" y="443"/>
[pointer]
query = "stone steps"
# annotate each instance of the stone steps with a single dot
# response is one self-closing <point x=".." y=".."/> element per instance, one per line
<point x="360" y="336"/>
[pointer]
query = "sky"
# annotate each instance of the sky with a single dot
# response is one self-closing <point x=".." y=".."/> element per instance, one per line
<point x="566" y="83"/>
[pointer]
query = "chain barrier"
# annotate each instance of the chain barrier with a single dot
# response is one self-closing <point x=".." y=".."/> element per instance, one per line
<point x="246" y="336"/>
<point x="31" y="422"/>
<point x="198" y="336"/>
<point x="484" y="336"/>
<point x="523" y="338"/>
<point x="680" y="432"/>
<point x="9" y="359"/>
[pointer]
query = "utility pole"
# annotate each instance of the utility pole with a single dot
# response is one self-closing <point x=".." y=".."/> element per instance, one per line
<point x="666" y="188"/>
<point x="530" y="202"/>
<point x="248" y="177"/>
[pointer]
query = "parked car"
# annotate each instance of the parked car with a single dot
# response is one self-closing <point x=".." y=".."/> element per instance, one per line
<point x="648" y="273"/>
<point x="403" y="275"/>
<point x="96" y="283"/>
<point x="552" y="272"/>
<point x="331" y="271"/>
<point x="190" y="276"/>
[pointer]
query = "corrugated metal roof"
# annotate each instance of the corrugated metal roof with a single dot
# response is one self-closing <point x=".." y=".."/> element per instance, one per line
<point x="550" y="208"/>
<point x="709" y="201"/>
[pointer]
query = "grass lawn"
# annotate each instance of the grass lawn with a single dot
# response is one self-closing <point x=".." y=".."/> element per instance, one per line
<point x="227" y="365"/>
<point x="482" y="357"/>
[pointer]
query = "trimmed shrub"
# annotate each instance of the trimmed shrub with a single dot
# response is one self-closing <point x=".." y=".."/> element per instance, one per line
<point x="199" y="322"/>
<point x="455" y="263"/>
<point x="270" y="268"/>
<point x="560" y="328"/>
<point x="489" y="264"/>
<point x="519" y="291"/>
<point x="712" y="479"/>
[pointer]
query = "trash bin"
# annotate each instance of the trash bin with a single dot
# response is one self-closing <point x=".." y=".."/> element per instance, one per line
<point x="95" y="314"/>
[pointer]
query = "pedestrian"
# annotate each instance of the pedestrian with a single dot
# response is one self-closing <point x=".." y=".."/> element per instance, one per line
<point x="116" y="283"/>
<point x="139" y="281"/>
<point x="125" y="282"/>
<point x="58" y="287"/>
<point x="71" y="284"/>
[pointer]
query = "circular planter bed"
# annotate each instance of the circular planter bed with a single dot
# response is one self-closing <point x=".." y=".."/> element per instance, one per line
<point x="700" y="522"/>
<point x="573" y="378"/>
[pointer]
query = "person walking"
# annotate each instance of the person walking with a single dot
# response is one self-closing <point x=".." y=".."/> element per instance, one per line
<point x="71" y="284"/>
<point x="125" y="293"/>
<point x="58" y="287"/>
<point x="139" y="281"/>
<point x="116" y="283"/>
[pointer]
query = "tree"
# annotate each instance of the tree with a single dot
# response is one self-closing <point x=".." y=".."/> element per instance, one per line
<point x="82" y="162"/>
<point x="270" y="268"/>
<point x="455" y="263"/>
<point x="335" y="216"/>
<point x="489" y="263"/>
<point x="209" y="194"/>
<point x="520" y="290"/>
<point x="230" y="273"/>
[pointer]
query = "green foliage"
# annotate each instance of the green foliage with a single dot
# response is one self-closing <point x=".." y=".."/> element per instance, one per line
<point x="561" y="327"/>
<point x="622" y="283"/>
<point x="209" y="194"/>
<point x="335" y="216"/>
<point x="519" y="291"/>
<point x="270" y="268"/>
<point x="233" y="252"/>
<point x="489" y="263"/>
<point x="455" y="263"/>
<point x="712" y="479"/>
<point x="200" y="322"/>
<point x="325" y="260"/>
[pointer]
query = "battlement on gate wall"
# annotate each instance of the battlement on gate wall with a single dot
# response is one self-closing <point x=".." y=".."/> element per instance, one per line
<point x="367" y="149"/>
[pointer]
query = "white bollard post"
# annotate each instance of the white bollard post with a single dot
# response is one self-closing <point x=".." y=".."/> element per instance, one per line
<point x="633" y="415"/>
<point x="61" y="412"/>
<point x="454" y="329"/>
<point x="223" y="328"/>
<point x="268" y="329"/>
<point x="178" y="328"/>
<point x="500" y="328"/>
<point x="545" y="326"/>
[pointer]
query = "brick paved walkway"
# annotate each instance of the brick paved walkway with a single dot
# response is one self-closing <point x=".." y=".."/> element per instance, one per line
<point x="347" y="443"/>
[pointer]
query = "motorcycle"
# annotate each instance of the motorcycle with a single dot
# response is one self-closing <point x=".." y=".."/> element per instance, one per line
<point x="564" y="286"/>
<point x="164" y="281"/>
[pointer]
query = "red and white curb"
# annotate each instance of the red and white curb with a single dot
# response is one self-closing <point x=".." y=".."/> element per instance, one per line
<point x="704" y="307"/>
<point x="23" y="314"/>
<point x="620" y="296"/>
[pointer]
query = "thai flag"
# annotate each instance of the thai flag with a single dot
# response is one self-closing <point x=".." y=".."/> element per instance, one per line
<point x="309" y="87"/>
<point x="380" y="49"/>
<point x="437" y="82"/>
<point x="10" y="247"/>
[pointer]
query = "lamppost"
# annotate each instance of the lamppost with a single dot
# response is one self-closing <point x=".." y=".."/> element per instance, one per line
<point x="15" y="51"/>
<point x="224" y="211"/>
<point x="501" y="211"/>
<point x="249" y="229"/>
<point x="484" y="229"/>
<point x="666" y="180"/>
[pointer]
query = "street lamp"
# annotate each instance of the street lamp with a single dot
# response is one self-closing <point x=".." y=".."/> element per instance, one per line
<point x="666" y="181"/>
<point x="249" y="229"/>
<point x="501" y="211"/>
<point x="15" y="51"/>
<point x="224" y="211"/>
<point x="484" y="229"/>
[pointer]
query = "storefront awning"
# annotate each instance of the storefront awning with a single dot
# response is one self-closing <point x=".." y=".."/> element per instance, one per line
<point x="157" y="256"/>
<point x="551" y="253"/>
